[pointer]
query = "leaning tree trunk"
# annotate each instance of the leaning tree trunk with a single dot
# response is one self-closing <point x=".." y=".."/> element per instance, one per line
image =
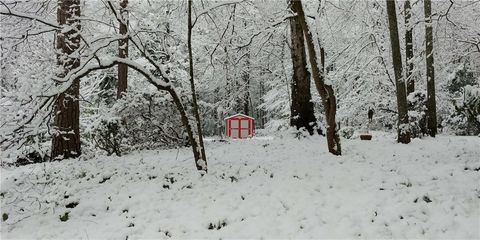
<point x="301" y="109"/>
<point x="123" y="50"/>
<point x="325" y="90"/>
<point x="431" y="103"/>
<point x="409" y="47"/>
<point x="403" y="128"/>
<point x="66" y="130"/>
<point x="202" y="159"/>
<point x="188" y="127"/>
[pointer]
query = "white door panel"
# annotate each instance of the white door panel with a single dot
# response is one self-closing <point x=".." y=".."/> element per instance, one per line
<point x="234" y="133"/>
<point x="244" y="123"/>
<point x="244" y="133"/>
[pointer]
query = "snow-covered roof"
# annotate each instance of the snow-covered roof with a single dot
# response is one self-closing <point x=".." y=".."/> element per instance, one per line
<point x="238" y="115"/>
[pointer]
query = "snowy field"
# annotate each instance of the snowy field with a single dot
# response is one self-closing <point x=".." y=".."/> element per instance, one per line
<point x="270" y="188"/>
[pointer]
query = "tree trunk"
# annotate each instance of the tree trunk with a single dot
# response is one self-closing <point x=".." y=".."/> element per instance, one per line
<point x="188" y="127"/>
<point x="246" y="82"/>
<point x="403" y="128"/>
<point x="66" y="130"/>
<point x="409" y="47"/>
<point x="325" y="90"/>
<point x="123" y="51"/>
<point x="431" y="103"/>
<point x="202" y="159"/>
<point x="301" y="109"/>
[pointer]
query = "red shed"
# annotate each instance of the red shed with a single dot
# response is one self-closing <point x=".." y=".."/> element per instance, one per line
<point x="239" y="126"/>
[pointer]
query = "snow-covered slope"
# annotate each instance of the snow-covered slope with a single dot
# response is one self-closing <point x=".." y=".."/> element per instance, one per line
<point x="280" y="188"/>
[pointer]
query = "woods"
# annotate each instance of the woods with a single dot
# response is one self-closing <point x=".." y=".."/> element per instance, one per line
<point x="245" y="65"/>
<point x="198" y="119"/>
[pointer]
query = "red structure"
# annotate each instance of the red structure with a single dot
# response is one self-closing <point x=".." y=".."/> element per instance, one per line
<point x="239" y="126"/>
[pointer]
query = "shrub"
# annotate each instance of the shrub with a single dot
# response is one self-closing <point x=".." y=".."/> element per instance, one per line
<point x="465" y="120"/>
<point x="417" y="113"/>
<point x="346" y="132"/>
<point x="138" y="121"/>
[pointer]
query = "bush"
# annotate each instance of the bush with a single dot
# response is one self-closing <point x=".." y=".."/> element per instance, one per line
<point x="108" y="135"/>
<point x="138" y="121"/>
<point x="417" y="114"/>
<point x="461" y="77"/>
<point x="346" y="132"/>
<point x="466" y="118"/>
<point x="35" y="150"/>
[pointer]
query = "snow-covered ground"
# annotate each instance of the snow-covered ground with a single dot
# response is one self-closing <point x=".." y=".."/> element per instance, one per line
<point x="271" y="188"/>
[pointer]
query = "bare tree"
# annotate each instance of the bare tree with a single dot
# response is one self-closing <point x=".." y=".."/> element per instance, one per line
<point x="403" y="129"/>
<point x="431" y="103"/>
<point x="123" y="50"/>
<point x="66" y="134"/>
<point x="202" y="158"/>
<point x="409" y="47"/>
<point x="301" y="109"/>
<point x="325" y="90"/>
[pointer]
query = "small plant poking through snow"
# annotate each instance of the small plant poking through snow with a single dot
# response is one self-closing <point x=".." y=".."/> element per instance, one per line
<point x="346" y="132"/>
<point x="218" y="225"/>
<point x="64" y="217"/>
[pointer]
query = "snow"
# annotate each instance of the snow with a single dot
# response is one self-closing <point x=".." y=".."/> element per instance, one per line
<point x="238" y="115"/>
<point x="279" y="187"/>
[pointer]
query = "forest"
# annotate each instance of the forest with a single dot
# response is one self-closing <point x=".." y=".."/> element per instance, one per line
<point x="212" y="119"/>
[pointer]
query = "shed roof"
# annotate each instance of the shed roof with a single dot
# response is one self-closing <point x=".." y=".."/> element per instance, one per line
<point x="238" y="115"/>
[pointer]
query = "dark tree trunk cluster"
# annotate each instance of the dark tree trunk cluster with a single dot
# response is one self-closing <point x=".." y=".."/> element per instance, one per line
<point x="301" y="109"/>
<point x="325" y="90"/>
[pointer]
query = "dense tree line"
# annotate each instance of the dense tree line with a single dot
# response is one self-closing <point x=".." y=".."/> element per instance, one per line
<point x="194" y="63"/>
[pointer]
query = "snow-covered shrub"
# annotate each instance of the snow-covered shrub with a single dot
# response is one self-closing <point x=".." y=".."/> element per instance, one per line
<point x="35" y="151"/>
<point x="466" y="118"/>
<point x="138" y="121"/>
<point x="346" y="132"/>
<point x="108" y="135"/>
<point x="459" y="78"/>
<point x="417" y="113"/>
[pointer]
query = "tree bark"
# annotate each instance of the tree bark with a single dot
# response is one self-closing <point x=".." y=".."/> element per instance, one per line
<point x="197" y="149"/>
<point x="246" y="82"/>
<point x="409" y="47"/>
<point x="201" y="162"/>
<point x="301" y="109"/>
<point x="66" y="126"/>
<point x="325" y="90"/>
<point x="431" y="103"/>
<point x="403" y="128"/>
<point x="123" y="50"/>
